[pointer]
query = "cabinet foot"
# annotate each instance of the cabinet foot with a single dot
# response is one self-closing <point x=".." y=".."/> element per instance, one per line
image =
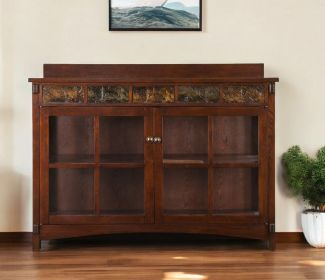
<point x="36" y="242"/>
<point x="271" y="243"/>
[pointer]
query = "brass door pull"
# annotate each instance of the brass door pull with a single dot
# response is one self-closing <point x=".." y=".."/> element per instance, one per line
<point x="149" y="139"/>
<point x="157" y="140"/>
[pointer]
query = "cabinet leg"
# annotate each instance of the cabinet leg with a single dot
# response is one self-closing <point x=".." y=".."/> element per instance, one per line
<point x="271" y="242"/>
<point x="36" y="242"/>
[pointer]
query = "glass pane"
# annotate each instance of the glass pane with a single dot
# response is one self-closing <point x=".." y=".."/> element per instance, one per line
<point x="185" y="139"/>
<point x="122" y="139"/>
<point x="122" y="191"/>
<point x="235" y="138"/>
<point x="108" y="94"/>
<point x="71" y="191"/>
<point x="63" y="94"/>
<point x="185" y="191"/>
<point x="71" y="139"/>
<point x="235" y="190"/>
<point x="198" y="94"/>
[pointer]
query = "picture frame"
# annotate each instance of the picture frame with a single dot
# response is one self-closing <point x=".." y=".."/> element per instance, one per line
<point x="155" y="15"/>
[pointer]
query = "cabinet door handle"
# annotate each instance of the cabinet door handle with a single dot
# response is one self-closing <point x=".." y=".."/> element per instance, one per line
<point x="157" y="140"/>
<point x="149" y="139"/>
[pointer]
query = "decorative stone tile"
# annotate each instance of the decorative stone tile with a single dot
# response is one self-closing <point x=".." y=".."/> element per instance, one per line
<point x="63" y="94"/>
<point x="198" y="94"/>
<point x="244" y="94"/>
<point x="158" y="94"/>
<point x="108" y="94"/>
<point x="143" y="94"/>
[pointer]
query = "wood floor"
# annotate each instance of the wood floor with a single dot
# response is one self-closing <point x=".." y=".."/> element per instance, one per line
<point x="158" y="259"/>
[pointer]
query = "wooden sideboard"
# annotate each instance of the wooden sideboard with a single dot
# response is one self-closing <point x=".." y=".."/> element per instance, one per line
<point x="153" y="148"/>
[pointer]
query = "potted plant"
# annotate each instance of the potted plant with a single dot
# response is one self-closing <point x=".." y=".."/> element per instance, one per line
<point x="306" y="177"/>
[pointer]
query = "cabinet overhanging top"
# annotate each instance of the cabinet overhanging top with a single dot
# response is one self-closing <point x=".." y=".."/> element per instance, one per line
<point x="153" y="73"/>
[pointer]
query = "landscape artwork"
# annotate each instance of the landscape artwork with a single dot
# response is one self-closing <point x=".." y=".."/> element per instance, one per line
<point x="177" y="15"/>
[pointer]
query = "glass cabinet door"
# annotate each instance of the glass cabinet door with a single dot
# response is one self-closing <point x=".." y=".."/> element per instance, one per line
<point x="183" y="166"/>
<point x="235" y="164"/>
<point x="209" y="164"/>
<point x="122" y="172"/>
<point x="97" y="166"/>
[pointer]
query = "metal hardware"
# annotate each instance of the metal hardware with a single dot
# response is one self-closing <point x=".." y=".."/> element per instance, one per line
<point x="271" y="228"/>
<point x="36" y="229"/>
<point x="272" y="88"/>
<point x="35" y="88"/>
<point x="157" y="140"/>
<point x="149" y="139"/>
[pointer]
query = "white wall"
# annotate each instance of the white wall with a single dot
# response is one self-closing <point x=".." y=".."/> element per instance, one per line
<point x="288" y="36"/>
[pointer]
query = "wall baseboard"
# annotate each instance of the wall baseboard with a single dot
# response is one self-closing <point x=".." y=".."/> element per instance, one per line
<point x="290" y="237"/>
<point x="23" y="237"/>
<point x="19" y="237"/>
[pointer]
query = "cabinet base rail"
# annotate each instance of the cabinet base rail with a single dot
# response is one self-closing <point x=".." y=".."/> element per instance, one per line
<point x="50" y="232"/>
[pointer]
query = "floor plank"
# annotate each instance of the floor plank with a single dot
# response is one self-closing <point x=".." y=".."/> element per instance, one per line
<point x="164" y="260"/>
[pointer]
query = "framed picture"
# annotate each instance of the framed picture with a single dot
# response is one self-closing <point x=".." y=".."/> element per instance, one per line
<point x="155" y="15"/>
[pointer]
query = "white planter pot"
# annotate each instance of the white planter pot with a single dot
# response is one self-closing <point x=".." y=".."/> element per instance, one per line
<point x="313" y="225"/>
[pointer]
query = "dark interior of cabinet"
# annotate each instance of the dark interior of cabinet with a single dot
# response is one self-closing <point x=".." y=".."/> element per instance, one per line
<point x="71" y="139"/>
<point x="185" y="191"/>
<point x="185" y="139"/>
<point x="71" y="191"/>
<point x="235" y="153"/>
<point x="235" y="139"/>
<point x="122" y="139"/>
<point x="235" y="190"/>
<point x="122" y="191"/>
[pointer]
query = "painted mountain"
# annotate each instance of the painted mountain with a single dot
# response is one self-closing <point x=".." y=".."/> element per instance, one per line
<point x="155" y="14"/>
<point x="181" y="7"/>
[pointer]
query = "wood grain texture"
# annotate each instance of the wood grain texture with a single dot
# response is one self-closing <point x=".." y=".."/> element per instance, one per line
<point x="26" y="237"/>
<point x="36" y="164"/>
<point x="71" y="191"/>
<point x="289" y="237"/>
<point x="179" y="166"/>
<point x="155" y="260"/>
<point x="71" y="139"/>
<point x="235" y="190"/>
<point x="271" y="162"/>
<point x="239" y="135"/>
<point x="153" y="70"/>
<point x="16" y="237"/>
<point x="122" y="191"/>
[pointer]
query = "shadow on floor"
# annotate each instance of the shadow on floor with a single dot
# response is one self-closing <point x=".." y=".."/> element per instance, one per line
<point x="161" y="241"/>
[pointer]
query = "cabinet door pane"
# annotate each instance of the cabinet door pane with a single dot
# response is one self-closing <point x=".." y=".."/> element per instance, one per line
<point x="122" y="191"/>
<point x="185" y="139"/>
<point x="235" y="138"/>
<point x="71" y="191"/>
<point x="71" y="139"/>
<point x="185" y="191"/>
<point x="122" y="139"/>
<point x="235" y="190"/>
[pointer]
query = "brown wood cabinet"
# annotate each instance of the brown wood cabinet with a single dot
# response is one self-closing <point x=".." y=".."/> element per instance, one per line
<point x="153" y="148"/>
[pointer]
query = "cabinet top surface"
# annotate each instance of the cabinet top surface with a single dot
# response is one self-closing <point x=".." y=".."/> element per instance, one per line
<point x="153" y="73"/>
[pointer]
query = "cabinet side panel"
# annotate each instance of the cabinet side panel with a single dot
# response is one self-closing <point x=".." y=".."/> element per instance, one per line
<point x="36" y="167"/>
<point x="44" y="166"/>
<point x="271" y="163"/>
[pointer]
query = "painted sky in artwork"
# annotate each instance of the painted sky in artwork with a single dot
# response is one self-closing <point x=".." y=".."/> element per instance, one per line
<point x="137" y="3"/>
